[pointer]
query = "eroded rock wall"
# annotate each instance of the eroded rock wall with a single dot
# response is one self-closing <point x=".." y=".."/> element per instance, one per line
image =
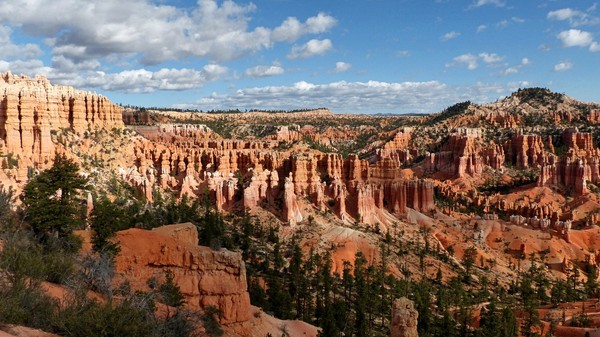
<point x="31" y="109"/>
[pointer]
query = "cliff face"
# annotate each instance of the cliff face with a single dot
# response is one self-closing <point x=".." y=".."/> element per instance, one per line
<point x="205" y="277"/>
<point x="256" y="174"/>
<point x="31" y="108"/>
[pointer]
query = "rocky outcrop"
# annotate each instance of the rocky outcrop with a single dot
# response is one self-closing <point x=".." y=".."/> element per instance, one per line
<point x="206" y="277"/>
<point x="291" y="210"/>
<point x="526" y="151"/>
<point x="594" y="116"/>
<point x="31" y="109"/>
<point x="458" y="157"/>
<point x="249" y="174"/>
<point x="404" y="318"/>
<point x="578" y="166"/>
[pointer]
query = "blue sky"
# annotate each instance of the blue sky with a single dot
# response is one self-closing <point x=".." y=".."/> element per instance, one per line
<point x="352" y="56"/>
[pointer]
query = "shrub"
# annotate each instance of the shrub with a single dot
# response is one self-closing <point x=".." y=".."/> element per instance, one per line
<point x="27" y="305"/>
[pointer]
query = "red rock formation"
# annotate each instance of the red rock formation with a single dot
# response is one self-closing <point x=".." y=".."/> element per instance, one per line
<point x="594" y="116"/>
<point x="404" y="318"/>
<point x="30" y="108"/>
<point x="579" y="141"/>
<point x="291" y="210"/>
<point x="459" y="156"/>
<point x="188" y="161"/>
<point x="526" y="151"/>
<point x="205" y="277"/>
<point x="133" y="117"/>
<point x="579" y="165"/>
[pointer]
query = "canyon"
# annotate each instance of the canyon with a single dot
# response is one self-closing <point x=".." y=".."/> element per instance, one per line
<point x="501" y="181"/>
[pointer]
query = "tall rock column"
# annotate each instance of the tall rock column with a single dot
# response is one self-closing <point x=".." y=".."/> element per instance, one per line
<point x="404" y="318"/>
<point x="291" y="210"/>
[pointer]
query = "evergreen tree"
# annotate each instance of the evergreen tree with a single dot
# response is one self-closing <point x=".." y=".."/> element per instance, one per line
<point x="361" y="297"/>
<point x="51" y="206"/>
<point x="509" y="323"/>
<point x="490" y="323"/>
<point x="170" y="293"/>
<point x="106" y="219"/>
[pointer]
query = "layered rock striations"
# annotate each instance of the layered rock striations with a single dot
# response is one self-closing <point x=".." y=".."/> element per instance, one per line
<point x="205" y="277"/>
<point x="462" y="155"/>
<point x="578" y="166"/>
<point x="251" y="174"/>
<point x="31" y="109"/>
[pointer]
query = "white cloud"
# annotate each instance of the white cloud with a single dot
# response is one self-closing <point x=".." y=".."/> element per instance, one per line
<point x="129" y="81"/>
<point x="574" y="17"/>
<point x="28" y="67"/>
<point x="509" y="71"/>
<point x="311" y="48"/>
<point x="516" y="68"/>
<point x="490" y="58"/>
<point x="449" y="36"/>
<point x="578" y="38"/>
<point x="479" y="3"/>
<point x="150" y="31"/>
<point x="291" y="29"/>
<point x="402" y="53"/>
<point x="481" y="28"/>
<point x="10" y="50"/>
<point x="469" y="60"/>
<point x="341" y="67"/>
<point x="575" y="38"/>
<point x="563" y="66"/>
<point x="365" y="97"/>
<point x="264" y="71"/>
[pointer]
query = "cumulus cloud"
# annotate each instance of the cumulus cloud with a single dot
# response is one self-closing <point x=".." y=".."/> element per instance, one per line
<point x="479" y="3"/>
<point x="402" y="53"/>
<point x="574" y="17"/>
<point x="291" y="29"/>
<point x="449" y="36"/>
<point x="152" y="32"/>
<point x="365" y="97"/>
<point x="341" y="67"/>
<point x="575" y="38"/>
<point x="29" y="67"/>
<point x="471" y="61"/>
<point x="128" y="81"/>
<point x="516" y="68"/>
<point x="309" y="49"/>
<point x="563" y="66"/>
<point x="490" y="58"/>
<point x="10" y="50"/>
<point x="264" y="71"/>
<point x="481" y="28"/>
<point x="578" y="38"/>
